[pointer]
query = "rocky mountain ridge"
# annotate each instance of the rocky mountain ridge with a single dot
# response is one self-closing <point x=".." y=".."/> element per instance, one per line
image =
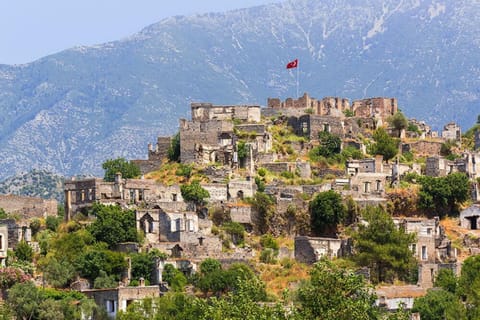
<point x="70" y="111"/>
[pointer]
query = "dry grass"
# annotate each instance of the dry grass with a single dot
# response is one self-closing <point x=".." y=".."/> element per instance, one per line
<point x="277" y="278"/>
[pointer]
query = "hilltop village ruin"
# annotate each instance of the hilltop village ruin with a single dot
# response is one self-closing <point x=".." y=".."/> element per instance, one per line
<point x="231" y="143"/>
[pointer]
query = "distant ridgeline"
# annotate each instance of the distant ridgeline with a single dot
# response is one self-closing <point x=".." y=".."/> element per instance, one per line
<point x="36" y="183"/>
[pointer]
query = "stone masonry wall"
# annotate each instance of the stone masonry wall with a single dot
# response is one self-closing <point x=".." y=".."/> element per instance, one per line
<point x="28" y="207"/>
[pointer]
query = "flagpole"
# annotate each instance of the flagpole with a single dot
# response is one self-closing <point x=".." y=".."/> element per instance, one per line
<point x="297" y="80"/>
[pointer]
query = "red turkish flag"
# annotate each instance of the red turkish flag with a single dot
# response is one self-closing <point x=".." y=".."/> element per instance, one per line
<point x="292" y="64"/>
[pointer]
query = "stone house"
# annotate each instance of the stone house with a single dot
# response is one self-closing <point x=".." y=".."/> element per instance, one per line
<point x="3" y="243"/>
<point x="367" y="188"/>
<point x="392" y="298"/>
<point x="210" y="136"/>
<point x="470" y="217"/>
<point x="433" y="250"/>
<point x="440" y="166"/>
<point x="159" y="225"/>
<point x="15" y="232"/>
<point x="310" y="249"/>
<point x="452" y="131"/>
<point x="182" y="234"/>
<point x="80" y="195"/>
<point x="118" y="299"/>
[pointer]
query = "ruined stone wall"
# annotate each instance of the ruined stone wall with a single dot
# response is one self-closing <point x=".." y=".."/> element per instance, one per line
<point x="375" y="107"/>
<point x="452" y="132"/>
<point x="3" y="243"/>
<point x="279" y="167"/>
<point x="217" y="191"/>
<point x="309" y="249"/>
<point x="368" y="184"/>
<point x="330" y="124"/>
<point x="28" y="207"/>
<point x="196" y="138"/>
<point x="241" y="213"/>
<point x="207" y="111"/>
<point x="423" y="147"/>
<point x="238" y="189"/>
<point x="360" y="166"/>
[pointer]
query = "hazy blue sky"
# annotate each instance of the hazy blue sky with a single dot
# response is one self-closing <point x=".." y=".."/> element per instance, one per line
<point x="31" y="29"/>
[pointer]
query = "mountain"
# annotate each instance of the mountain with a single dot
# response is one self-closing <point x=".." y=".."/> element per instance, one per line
<point x="68" y="112"/>
<point x="36" y="183"/>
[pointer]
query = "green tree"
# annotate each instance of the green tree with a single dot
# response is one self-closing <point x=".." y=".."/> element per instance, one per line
<point x="57" y="273"/>
<point x="104" y="281"/>
<point x="439" y="304"/>
<point x="52" y="223"/>
<point x="174" y="149"/>
<point x="35" y="226"/>
<point x="236" y="231"/>
<point x="398" y="121"/>
<point x="113" y="225"/>
<point x="330" y="145"/>
<point x="446" y="280"/>
<point x="442" y="195"/>
<point x="264" y="206"/>
<point x="469" y="286"/>
<point x="194" y="192"/>
<point x="334" y="293"/>
<point x="384" y="144"/>
<point x="174" y="277"/>
<point x="98" y="258"/>
<point x="143" y="264"/>
<point x="24" y="300"/>
<point x="326" y="212"/>
<point x="127" y="168"/>
<point x="3" y="214"/>
<point x="24" y="252"/>
<point x="383" y="247"/>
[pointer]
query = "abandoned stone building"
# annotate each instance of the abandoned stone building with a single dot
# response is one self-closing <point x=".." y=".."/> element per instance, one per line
<point x="80" y="195"/>
<point x="470" y="217"/>
<point x="155" y="155"/>
<point x="16" y="231"/>
<point x="333" y="106"/>
<point x="423" y="127"/>
<point x="452" y="131"/>
<point x="212" y="136"/>
<point x="180" y="233"/>
<point x="3" y="244"/>
<point x="440" y="166"/>
<point x="28" y="207"/>
<point x="311" y="249"/>
<point x="392" y="298"/>
<point x="118" y="299"/>
<point x="380" y="108"/>
<point x="432" y="249"/>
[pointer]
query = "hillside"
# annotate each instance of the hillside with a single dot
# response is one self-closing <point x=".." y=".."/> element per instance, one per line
<point x="68" y="112"/>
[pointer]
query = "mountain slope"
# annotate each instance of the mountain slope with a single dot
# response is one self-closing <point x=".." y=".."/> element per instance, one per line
<point x="70" y="111"/>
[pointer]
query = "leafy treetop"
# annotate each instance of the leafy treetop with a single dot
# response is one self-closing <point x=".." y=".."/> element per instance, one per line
<point x="113" y="166"/>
